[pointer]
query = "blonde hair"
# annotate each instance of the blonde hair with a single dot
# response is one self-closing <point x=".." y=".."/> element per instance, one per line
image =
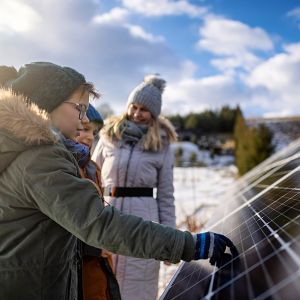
<point x="152" y="140"/>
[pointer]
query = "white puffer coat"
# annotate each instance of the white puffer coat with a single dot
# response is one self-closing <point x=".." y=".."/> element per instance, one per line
<point x="125" y="165"/>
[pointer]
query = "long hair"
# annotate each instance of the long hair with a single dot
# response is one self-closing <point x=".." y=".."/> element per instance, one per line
<point x="159" y="129"/>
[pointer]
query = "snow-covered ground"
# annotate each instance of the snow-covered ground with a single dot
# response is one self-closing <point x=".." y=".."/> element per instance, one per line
<point x="197" y="193"/>
<point x="203" y="156"/>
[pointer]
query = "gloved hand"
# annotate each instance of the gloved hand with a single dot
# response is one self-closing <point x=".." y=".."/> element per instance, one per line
<point x="212" y="245"/>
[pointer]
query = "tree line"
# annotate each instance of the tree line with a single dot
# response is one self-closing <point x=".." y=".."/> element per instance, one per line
<point x="252" y="144"/>
<point x="206" y="122"/>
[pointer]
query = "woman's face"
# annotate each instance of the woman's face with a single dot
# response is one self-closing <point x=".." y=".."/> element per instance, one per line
<point x="87" y="135"/>
<point x="139" y="114"/>
<point x="66" y="117"/>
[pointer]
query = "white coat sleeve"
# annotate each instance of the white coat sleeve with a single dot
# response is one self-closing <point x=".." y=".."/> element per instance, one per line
<point x="98" y="155"/>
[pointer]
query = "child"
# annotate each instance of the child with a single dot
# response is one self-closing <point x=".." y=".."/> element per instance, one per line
<point x="99" y="281"/>
<point x="89" y="135"/>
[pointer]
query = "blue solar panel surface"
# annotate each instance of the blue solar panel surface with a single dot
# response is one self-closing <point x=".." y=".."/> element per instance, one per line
<point x="261" y="215"/>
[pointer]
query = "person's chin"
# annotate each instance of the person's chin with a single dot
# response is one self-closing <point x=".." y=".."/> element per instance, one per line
<point x="86" y="144"/>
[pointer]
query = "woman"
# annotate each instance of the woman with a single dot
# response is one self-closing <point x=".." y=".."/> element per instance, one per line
<point x="135" y="157"/>
<point x="46" y="208"/>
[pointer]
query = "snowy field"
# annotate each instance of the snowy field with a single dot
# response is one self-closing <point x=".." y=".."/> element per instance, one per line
<point x="202" y="156"/>
<point x="198" y="192"/>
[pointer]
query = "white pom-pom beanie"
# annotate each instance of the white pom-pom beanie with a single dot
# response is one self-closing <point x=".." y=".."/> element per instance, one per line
<point x="148" y="93"/>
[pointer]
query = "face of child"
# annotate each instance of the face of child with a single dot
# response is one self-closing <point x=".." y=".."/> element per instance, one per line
<point x="87" y="135"/>
<point x="139" y="113"/>
<point x="66" y="117"/>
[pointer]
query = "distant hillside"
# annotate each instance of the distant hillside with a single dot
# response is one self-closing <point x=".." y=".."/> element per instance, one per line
<point x="284" y="130"/>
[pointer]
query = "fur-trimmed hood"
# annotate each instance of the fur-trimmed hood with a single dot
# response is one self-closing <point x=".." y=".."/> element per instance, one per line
<point x="22" y="126"/>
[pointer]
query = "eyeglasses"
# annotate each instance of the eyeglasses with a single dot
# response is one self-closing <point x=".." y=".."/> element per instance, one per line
<point x="82" y="108"/>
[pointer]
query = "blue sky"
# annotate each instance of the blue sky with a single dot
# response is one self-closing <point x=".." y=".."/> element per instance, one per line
<point x="211" y="52"/>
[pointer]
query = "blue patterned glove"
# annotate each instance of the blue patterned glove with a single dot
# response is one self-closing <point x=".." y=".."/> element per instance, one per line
<point x="212" y="245"/>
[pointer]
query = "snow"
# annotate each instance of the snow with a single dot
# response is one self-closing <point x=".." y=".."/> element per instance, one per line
<point x="197" y="193"/>
<point x="203" y="156"/>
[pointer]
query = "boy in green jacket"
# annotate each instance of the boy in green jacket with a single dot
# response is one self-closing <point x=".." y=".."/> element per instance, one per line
<point x="42" y="214"/>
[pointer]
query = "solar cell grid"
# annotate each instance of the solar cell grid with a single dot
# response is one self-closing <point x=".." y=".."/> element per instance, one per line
<point x="262" y="217"/>
<point x="272" y="165"/>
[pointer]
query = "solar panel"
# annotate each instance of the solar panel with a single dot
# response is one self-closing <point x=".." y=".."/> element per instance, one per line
<point x="261" y="215"/>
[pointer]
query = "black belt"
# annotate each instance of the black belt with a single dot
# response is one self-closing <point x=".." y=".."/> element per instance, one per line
<point x="128" y="191"/>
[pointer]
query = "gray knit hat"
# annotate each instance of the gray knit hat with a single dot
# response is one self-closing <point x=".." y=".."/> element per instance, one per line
<point x="44" y="83"/>
<point x="148" y="93"/>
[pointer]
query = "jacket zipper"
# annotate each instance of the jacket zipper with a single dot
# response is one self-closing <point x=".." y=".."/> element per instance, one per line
<point x="126" y="174"/>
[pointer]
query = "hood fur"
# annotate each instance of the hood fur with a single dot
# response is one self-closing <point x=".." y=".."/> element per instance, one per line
<point x="24" y="121"/>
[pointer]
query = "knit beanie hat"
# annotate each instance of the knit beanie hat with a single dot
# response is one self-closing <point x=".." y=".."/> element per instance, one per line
<point x="43" y="83"/>
<point x="93" y="115"/>
<point x="148" y="93"/>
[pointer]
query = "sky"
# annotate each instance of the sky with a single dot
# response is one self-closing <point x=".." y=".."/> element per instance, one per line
<point x="211" y="52"/>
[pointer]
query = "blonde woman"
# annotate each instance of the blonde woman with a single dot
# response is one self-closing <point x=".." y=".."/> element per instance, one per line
<point x="135" y="158"/>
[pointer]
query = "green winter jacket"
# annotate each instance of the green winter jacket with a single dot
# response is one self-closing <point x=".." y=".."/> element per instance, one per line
<point x="45" y="206"/>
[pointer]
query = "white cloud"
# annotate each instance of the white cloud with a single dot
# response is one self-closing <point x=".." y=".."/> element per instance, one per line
<point x="233" y="42"/>
<point x="294" y="13"/>
<point x="139" y="32"/>
<point x="16" y="16"/>
<point x="120" y="17"/>
<point x="188" y="69"/>
<point x="270" y="89"/>
<point x="280" y="71"/>
<point x="67" y="35"/>
<point x="115" y="16"/>
<point x="195" y="94"/>
<point x="154" y="8"/>
<point x="116" y="58"/>
<point x="227" y="64"/>
<point x="279" y="77"/>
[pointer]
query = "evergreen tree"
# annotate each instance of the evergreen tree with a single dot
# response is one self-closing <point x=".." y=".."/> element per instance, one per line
<point x="191" y="122"/>
<point x="227" y="118"/>
<point x="193" y="158"/>
<point x="241" y="145"/>
<point x="253" y="145"/>
<point x="240" y="125"/>
<point x="177" y="121"/>
<point x="178" y="157"/>
<point x="262" y="140"/>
